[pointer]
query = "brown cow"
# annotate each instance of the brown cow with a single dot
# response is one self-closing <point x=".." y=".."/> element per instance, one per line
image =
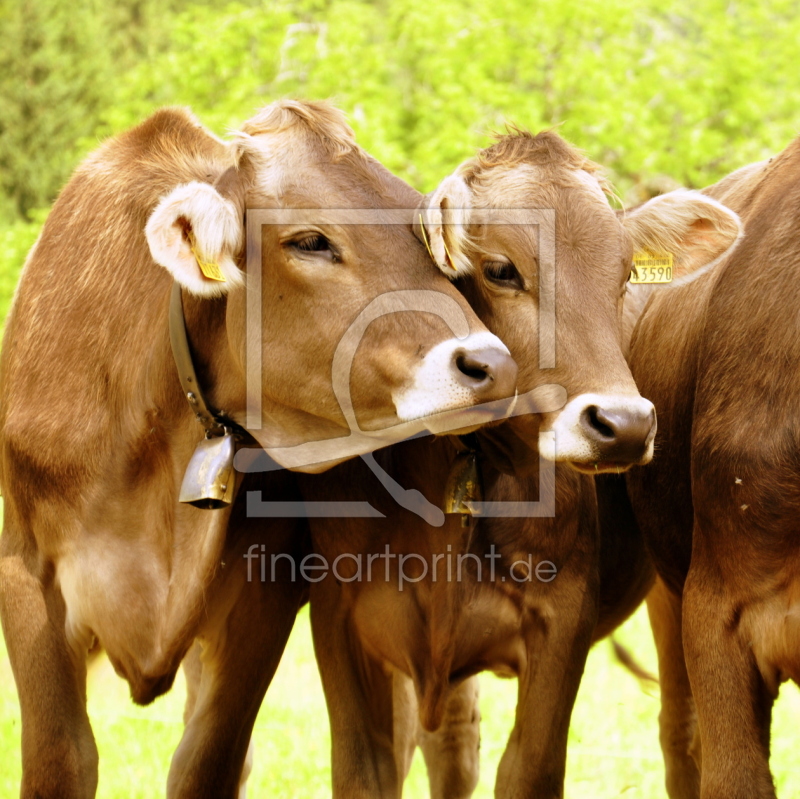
<point x="96" y="434"/>
<point x="720" y="505"/>
<point x="520" y="594"/>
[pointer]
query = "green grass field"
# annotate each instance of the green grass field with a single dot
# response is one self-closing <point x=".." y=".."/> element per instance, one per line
<point x="613" y="747"/>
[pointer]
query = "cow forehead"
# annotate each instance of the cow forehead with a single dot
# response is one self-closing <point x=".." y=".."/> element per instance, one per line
<point x="583" y="218"/>
<point x="293" y="168"/>
<point x="521" y="185"/>
<point x="591" y="183"/>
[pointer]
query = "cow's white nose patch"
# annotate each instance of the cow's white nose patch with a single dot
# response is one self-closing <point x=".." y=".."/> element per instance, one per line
<point x="570" y="438"/>
<point x="435" y="385"/>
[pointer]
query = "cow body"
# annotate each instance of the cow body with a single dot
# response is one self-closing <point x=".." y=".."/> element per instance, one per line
<point x="470" y="601"/>
<point x="720" y="504"/>
<point x="519" y="596"/>
<point x="96" y="433"/>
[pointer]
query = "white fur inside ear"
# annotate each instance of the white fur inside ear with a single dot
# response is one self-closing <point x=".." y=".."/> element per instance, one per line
<point x="217" y="231"/>
<point x="446" y="217"/>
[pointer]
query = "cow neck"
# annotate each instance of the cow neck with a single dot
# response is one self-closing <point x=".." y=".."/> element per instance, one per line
<point x="502" y="449"/>
<point x="214" y="423"/>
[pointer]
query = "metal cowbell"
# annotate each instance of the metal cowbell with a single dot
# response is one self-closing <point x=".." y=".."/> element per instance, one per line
<point x="208" y="482"/>
<point x="463" y="484"/>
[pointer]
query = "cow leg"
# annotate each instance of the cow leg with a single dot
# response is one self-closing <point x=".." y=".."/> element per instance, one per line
<point x="406" y="726"/>
<point x="734" y="705"/>
<point x="678" y="718"/>
<point x="193" y="672"/>
<point x="452" y="753"/>
<point x="227" y="677"/>
<point x="358" y="692"/>
<point x="557" y="645"/>
<point x="59" y="756"/>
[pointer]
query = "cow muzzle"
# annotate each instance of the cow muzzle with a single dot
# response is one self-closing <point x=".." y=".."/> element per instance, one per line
<point x="598" y="433"/>
<point x="459" y="374"/>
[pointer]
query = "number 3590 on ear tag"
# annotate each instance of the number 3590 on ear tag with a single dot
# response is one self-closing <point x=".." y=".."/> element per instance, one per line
<point x="652" y="267"/>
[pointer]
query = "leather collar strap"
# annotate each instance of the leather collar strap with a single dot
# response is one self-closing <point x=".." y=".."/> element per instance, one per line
<point x="213" y="423"/>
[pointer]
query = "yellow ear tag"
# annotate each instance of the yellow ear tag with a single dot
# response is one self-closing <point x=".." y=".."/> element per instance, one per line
<point x="428" y="246"/>
<point x="652" y="267"/>
<point x="449" y="257"/>
<point x="210" y="269"/>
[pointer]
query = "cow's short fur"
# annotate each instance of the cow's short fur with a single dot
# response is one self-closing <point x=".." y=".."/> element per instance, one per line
<point x="371" y="637"/>
<point x="95" y="434"/>
<point x="720" y="504"/>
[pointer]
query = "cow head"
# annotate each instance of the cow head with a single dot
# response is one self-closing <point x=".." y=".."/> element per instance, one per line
<point x="499" y="262"/>
<point x="322" y="267"/>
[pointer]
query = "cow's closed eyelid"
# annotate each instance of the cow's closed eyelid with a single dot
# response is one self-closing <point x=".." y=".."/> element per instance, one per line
<point x="313" y="244"/>
<point x="503" y="273"/>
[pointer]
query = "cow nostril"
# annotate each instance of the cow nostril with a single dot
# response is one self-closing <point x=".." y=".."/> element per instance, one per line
<point x="618" y="433"/>
<point x="473" y="368"/>
<point x="599" y="421"/>
<point x="489" y="371"/>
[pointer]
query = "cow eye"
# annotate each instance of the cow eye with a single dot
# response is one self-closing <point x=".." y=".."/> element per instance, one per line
<point x="503" y="273"/>
<point x="313" y="242"/>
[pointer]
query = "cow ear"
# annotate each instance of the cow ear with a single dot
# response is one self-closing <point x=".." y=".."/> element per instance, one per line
<point x="443" y="224"/>
<point x="195" y="234"/>
<point x="698" y="231"/>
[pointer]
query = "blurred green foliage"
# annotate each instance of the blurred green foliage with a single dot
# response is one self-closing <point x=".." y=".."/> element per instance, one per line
<point x="16" y="239"/>
<point x="690" y="91"/>
<point x="685" y="91"/>
<point x="60" y="68"/>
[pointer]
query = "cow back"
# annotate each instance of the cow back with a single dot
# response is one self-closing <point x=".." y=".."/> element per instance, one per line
<point x="87" y="336"/>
